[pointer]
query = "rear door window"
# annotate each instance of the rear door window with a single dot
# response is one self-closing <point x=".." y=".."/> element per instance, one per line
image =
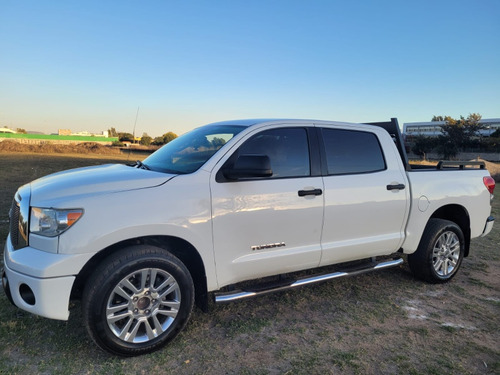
<point x="351" y="152"/>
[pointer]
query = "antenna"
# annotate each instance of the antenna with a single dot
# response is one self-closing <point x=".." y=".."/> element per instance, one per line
<point x="133" y="132"/>
<point x="135" y="123"/>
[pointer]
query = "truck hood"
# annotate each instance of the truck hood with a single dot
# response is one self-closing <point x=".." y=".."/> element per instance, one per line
<point x="108" y="178"/>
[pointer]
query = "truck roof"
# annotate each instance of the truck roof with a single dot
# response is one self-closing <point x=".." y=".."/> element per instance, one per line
<point x="259" y="121"/>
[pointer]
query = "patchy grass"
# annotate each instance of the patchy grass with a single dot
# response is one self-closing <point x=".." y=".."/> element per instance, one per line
<point x="378" y="323"/>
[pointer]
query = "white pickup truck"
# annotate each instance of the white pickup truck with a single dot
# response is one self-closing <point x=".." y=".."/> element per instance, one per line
<point x="224" y="207"/>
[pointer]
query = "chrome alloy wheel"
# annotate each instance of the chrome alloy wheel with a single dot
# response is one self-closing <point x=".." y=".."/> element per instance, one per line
<point x="446" y="253"/>
<point x="143" y="305"/>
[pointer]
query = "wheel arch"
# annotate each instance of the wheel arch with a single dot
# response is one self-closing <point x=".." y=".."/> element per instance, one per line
<point x="178" y="247"/>
<point x="460" y="216"/>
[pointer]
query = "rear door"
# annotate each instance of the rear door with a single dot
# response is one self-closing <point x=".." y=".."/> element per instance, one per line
<point x="366" y="194"/>
<point x="264" y="226"/>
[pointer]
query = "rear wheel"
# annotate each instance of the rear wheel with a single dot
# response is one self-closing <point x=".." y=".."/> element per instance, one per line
<point x="440" y="252"/>
<point x="137" y="300"/>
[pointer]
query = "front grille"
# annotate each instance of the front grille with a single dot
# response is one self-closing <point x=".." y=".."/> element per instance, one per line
<point x="14" y="224"/>
<point x="19" y="216"/>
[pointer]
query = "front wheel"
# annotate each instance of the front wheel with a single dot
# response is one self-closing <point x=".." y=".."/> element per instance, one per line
<point x="440" y="252"/>
<point x="137" y="300"/>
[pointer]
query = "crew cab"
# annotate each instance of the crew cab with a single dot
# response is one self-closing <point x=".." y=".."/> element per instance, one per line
<point x="223" y="207"/>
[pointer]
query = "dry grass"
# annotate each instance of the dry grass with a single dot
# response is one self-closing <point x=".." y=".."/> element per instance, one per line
<point x="493" y="168"/>
<point x="52" y="148"/>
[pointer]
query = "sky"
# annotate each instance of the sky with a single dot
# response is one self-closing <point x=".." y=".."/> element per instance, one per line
<point x="91" y="65"/>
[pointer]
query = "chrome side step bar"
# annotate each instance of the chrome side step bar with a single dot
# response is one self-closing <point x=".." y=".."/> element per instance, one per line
<point x="241" y="294"/>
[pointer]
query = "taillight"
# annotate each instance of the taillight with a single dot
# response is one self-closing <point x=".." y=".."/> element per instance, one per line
<point x="489" y="182"/>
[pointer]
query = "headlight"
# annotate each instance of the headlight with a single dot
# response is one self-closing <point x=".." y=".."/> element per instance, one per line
<point x="52" y="222"/>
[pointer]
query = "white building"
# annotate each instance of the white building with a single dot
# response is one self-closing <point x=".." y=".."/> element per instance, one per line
<point x="433" y="128"/>
<point x="84" y="133"/>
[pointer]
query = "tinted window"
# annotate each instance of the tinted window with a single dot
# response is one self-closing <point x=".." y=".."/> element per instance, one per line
<point x="286" y="147"/>
<point x="350" y="152"/>
<point x="190" y="151"/>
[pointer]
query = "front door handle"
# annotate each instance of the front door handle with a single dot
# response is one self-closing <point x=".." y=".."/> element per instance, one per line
<point x="396" y="187"/>
<point x="303" y="193"/>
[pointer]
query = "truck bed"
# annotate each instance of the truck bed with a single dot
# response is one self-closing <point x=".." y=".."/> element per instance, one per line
<point x="392" y="127"/>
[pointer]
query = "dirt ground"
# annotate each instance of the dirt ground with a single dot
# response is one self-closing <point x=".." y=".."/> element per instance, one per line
<point x="385" y="322"/>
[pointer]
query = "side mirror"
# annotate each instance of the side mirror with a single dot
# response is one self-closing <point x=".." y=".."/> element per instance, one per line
<point x="249" y="166"/>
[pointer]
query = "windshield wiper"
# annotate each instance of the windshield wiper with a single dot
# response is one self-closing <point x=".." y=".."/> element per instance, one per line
<point x="139" y="164"/>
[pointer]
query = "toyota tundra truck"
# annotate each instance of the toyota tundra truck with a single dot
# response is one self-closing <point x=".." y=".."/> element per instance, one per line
<point x="214" y="212"/>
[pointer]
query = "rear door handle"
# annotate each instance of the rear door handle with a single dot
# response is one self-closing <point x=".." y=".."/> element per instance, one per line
<point x="303" y="193"/>
<point x="396" y="187"/>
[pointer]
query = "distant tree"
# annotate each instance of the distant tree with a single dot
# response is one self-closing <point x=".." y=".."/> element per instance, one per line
<point x="446" y="148"/>
<point x="495" y="134"/>
<point x="164" y="139"/>
<point x="459" y="134"/>
<point x="157" y="141"/>
<point x="22" y="131"/>
<point x="438" y="118"/>
<point x="168" y="137"/>
<point x="422" y="145"/>
<point x="125" y="137"/>
<point x="112" y="132"/>
<point x="491" y="144"/>
<point x="146" y="139"/>
<point x="462" y="131"/>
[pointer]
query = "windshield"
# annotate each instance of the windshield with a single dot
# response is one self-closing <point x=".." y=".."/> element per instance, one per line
<point x="190" y="151"/>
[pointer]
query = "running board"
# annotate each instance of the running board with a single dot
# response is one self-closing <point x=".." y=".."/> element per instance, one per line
<point x="241" y="294"/>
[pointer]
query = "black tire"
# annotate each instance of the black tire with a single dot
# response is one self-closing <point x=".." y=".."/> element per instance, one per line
<point x="440" y="252"/>
<point x="137" y="300"/>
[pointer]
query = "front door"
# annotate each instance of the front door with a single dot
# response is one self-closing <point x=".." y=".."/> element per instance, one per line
<point x="263" y="226"/>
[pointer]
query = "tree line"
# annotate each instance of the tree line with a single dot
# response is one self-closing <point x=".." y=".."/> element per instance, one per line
<point x="146" y="140"/>
<point x="457" y="135"/>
